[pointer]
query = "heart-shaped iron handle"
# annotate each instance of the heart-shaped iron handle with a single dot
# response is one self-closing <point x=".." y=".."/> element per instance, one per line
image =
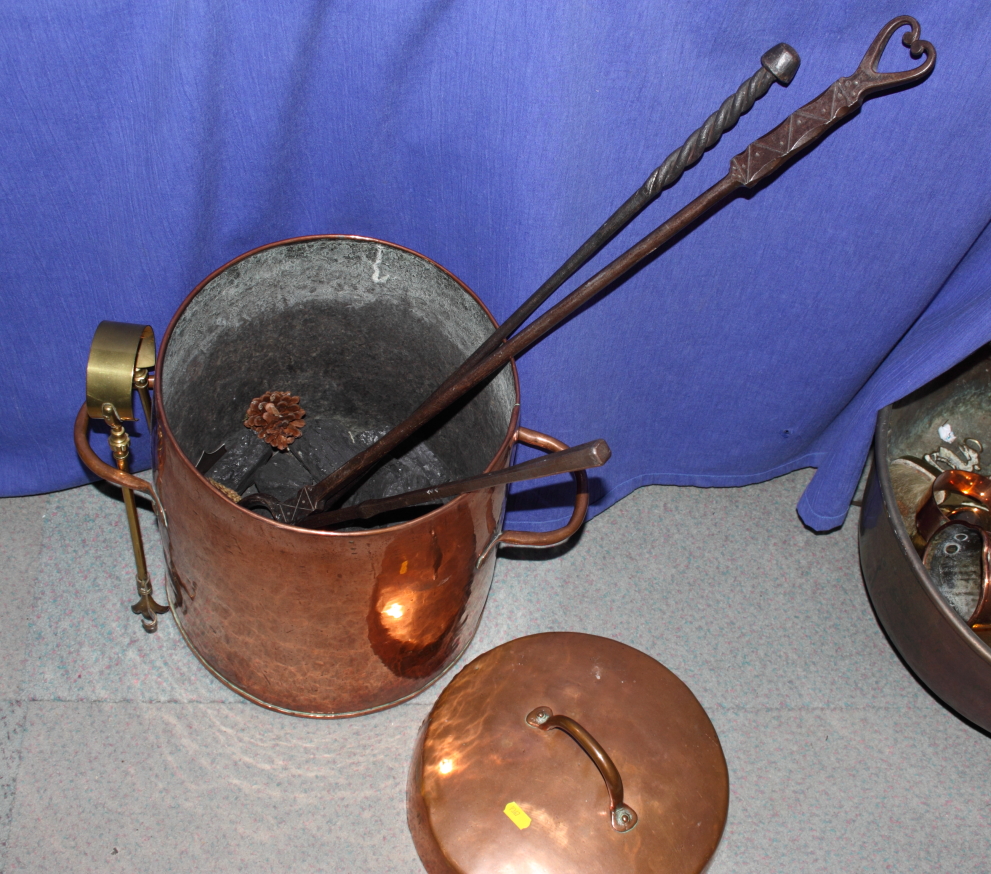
<point x="867" y="79"/>
<point x="623" y="818"/>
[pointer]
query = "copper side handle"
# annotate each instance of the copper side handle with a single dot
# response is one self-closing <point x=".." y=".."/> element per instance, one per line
<point x="97" y="464"/>
<point x="622" y="817"/>
<point x="558" y="535"/>
<point x="595" y="453"/>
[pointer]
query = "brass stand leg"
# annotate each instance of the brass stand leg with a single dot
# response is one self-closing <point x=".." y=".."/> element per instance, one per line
<point x="146" y="607"/>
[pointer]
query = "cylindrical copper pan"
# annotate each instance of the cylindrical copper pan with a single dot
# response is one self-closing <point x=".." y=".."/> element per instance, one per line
<point x="330" y="623"/>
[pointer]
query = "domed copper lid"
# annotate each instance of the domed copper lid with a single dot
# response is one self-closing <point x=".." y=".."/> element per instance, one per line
<point x="567" y="752"/>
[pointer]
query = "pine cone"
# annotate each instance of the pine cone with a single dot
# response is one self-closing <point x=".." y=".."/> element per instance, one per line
<point x="276" y="417"/>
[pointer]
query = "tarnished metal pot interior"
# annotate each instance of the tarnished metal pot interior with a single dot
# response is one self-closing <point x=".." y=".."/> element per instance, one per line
<point x="311" y="622"/>
<point x="932" y="638"/>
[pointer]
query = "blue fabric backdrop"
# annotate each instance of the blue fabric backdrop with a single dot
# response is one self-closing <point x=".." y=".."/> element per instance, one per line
<point x="142" y="145"/>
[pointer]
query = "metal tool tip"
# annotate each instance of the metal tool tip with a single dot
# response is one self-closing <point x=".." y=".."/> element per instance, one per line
<point x="782" y="62"/>
<point x="602" y="451"/>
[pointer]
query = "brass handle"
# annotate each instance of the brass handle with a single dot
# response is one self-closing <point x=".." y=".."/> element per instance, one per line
<point x="623" y="818"/>
<point x="146" y="607"/>
<point x="119" y="360"/>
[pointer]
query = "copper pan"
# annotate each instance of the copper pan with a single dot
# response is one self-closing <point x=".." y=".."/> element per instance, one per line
<point x="329" y="623"/>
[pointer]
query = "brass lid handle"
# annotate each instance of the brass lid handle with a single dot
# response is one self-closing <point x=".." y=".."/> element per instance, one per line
<point x="623" y="818"/>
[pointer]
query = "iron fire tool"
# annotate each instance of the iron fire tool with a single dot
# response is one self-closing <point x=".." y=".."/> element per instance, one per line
<point x="760" y="159"/>
<point x="777" y="64"/>
<point x="592" y="454"/>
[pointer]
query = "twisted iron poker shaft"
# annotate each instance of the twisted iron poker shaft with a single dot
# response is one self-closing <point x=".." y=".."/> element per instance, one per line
<point x="761" y="159"/>
<point x="778" y="64"/>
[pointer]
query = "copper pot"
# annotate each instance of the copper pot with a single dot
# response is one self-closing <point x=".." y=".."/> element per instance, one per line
<point x="318" y="623"/>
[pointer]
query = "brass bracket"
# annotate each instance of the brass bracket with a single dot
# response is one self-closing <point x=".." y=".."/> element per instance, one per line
<point x="119" y="360"/>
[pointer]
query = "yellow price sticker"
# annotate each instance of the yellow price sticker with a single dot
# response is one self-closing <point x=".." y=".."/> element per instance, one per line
<point x="517" y="815"/>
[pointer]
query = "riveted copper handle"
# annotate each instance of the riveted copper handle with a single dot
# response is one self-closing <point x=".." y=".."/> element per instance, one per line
<point x="97" y="464"/>
<point x="558" y="535"/>
<point x="622" y="817"/>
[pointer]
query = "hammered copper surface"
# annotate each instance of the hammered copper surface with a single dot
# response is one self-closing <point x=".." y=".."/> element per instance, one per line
<point x="944" y="653"/>
<point x="327" y="623"/>
<point x="324" y="623"/>
<point x="476" y="754"/>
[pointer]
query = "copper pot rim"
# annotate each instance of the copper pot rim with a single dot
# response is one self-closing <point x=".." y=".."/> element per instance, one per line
<point x="166" y="430"/>
<point x="883" y="473"/>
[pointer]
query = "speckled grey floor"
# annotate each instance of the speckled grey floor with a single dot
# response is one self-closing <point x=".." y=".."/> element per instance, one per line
<point x="119" y="752"/>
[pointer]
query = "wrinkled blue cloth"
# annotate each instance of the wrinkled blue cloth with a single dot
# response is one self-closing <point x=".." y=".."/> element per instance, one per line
<point x="145" y="144"/>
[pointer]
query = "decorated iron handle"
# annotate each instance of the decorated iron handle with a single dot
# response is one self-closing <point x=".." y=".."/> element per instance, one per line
<point x="622" y="817"/>
<point x="762" y="157"/>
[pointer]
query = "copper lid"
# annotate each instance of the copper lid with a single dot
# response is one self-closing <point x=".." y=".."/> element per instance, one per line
<point x="634" y="778"/>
